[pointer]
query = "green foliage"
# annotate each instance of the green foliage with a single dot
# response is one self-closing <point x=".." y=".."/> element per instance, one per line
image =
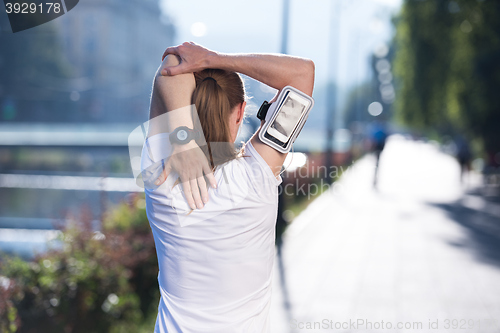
<point x="90" y="281"/>
<point x="448" y="67"/>
<point x="9" y="319"/>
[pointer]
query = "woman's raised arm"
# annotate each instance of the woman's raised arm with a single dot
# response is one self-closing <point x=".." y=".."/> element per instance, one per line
<point x="275" y="70"/>
<point x="171" y="108"/>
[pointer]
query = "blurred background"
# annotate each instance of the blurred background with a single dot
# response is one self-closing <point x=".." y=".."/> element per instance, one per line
<point x="389" y="208"/>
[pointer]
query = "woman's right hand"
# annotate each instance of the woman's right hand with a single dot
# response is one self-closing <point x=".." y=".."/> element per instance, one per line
<point x="194" y="58"/>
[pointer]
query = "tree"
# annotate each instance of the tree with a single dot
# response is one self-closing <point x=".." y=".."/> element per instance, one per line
<point x="448" y="67"/>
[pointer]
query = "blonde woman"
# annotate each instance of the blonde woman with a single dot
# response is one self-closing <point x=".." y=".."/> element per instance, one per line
<point x="215" y="244"/>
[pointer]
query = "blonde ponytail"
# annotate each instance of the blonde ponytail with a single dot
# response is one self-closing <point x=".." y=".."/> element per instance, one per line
<point x="216" y="94"/>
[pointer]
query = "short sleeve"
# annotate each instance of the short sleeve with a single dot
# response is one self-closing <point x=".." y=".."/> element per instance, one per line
<point x="260" y="168"/>
<point x="155" y="151"/>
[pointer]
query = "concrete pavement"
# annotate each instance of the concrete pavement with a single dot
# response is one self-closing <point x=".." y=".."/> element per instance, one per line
<point x="421" y="254"/>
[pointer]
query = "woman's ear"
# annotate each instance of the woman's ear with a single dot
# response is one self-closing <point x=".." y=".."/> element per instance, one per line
<point x="241" y="112"/>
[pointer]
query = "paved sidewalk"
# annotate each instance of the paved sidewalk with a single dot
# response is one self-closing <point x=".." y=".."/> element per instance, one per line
<point x="417" y="252"/>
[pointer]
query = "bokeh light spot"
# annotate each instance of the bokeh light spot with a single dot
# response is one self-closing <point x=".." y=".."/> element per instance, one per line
<point x="375" y="109"/>
<point x="198" y="29"/>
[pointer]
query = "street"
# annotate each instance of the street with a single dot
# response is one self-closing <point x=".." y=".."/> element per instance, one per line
<point x="419" y="254"/>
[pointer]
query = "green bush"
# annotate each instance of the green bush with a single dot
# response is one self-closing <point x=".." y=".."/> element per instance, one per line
<point x="89" y="281"/>
<point x="9" y="320"/>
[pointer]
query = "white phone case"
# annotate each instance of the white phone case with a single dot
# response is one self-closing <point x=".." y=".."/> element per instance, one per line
<point x="270" y="114"/>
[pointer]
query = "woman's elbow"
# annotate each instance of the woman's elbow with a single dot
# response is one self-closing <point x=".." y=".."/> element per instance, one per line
<point x="310" y="66"/>
<point x="308" y="72"/>
<point x="169" y="61"/>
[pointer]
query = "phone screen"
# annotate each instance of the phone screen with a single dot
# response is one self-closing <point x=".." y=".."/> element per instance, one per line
<point x="287" y="118"/>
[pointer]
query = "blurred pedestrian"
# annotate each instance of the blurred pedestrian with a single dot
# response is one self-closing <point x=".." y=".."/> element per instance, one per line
<point x="378" y="139"/>
<point x="463" y="156"/>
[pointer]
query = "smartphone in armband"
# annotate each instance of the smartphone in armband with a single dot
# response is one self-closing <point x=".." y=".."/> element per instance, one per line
<point x="285" y="118"/>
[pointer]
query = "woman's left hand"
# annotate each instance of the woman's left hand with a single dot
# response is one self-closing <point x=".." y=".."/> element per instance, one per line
<point x="192" y="166"/>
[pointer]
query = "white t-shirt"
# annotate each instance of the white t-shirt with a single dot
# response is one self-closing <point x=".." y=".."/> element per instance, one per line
<point x="215" y="263"/>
